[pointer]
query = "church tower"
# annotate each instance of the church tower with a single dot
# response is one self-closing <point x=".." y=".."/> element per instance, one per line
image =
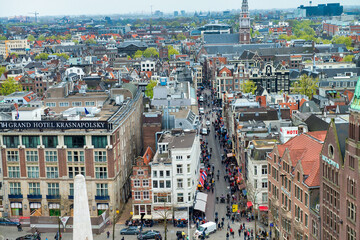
<point x="244" y="24"/>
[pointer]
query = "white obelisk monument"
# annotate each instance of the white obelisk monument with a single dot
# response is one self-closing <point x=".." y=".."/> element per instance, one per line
<point x="82" y="224"/>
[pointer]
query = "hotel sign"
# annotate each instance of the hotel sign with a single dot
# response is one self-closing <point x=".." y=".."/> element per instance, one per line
<point x="24" y="125"/>
<point x="329" y="161"/>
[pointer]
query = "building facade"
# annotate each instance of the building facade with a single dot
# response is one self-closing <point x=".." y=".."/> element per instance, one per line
<point x="244" y="24"/>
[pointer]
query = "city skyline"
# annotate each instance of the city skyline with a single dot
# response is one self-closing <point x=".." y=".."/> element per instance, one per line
<point x="82" y="7"/>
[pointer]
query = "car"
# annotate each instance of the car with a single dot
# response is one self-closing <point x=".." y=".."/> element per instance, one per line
<point x="208" y="123"/>
<point x="204" y="131"/>
<point x="133" y="230"/>
<point x="201" y="110"/>
<point x="27" y="237"/>
<point x="151" y="234"/>
<point x="7" y="222"/>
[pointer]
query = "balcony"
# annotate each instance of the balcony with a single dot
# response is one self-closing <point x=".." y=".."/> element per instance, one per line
<point x="103" y="198"/>
<point x="52" y="197"/>
<point x="71" y="197"/>
<point x="34" y="196"/>
<point x="15" y="196"/>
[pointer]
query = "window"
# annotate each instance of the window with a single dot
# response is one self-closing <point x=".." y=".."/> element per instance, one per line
<point x="154" y="173"/>
<point x="298" y="176"/>
<point x="155" y="184"/>
<point x="33" y="172"/>
<point x="73" y="171"/>
<point x="76" y="104"/>
<point x="306" y="220"/>
<point x="315" y="230"/>
<point x="140" y="172"/>
<point x="255" y="183"/>
<point x="161" y="173"/>
<point x="34" y="188"/>
<point x="53" y="189"/>
<point x="179" y="183"/>
<point x="100" y="156"/>
<point x="32" y="156"/>
<point x="168" y="173"/>
<point x="352" y="162"/>
<point x="11" y="141"/>
<point x="178" y="157"/>
<point x="101" y="172"/>
<point x="14" y="172"/>
<point x="351" y="211"/>
<point x="146" y="195"/>
<point x="145" y="183"/>
<point x="264" y="183"/>
<point x="89" y="104"/>
<point x="12" y="156"/>
<point x="306" y="199"/>
<point x="74" y="141"/>
<point x="179" y="169"/>
<point x="50" y="141"/>
<point x="136" y="183"/>
<point x="63" y="104"/>
<point x="351" y="234"/>
<point x="255" y="170"/>
<point x="52" y="172"/>
<point x="161" y="184"/>
<point x="137" y="195"/>
<point x="51" y="104"/>
<point x="180" y="197"/>
<point x="189" y="182"/>
<point x="264" y="197"/>
<point x="168" y="183"/>
<point x="102" y="189"/>
<point x="264" y="170"/>
<point x="31" y="141"/>
<point x="71" y="189"/>
<point x="50" y="156"/>
<point x="15" y="188"/>
<point x="99" y="141"/>
<point x="188" y="168"/>
<point x="75" y="156"/>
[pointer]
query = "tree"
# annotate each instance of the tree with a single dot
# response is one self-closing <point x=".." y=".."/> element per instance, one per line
<point x="171" y="51"/>
<point x="41" y="38"/>
<point x="9" y="86"/>
<point x="149" y="91"/>
<point x="138" y="54"/>
<point x="306" y="86"/>
<point x="68" y="36"/>
<point x="2" y="70"/>
<point x="150" y="52"/>
<point x="248" y="86"/>
<point x="252" y="194"/>
<point x="2" y="37"/>
<point x="76" y="41"/>
<point x="165" y="213"/>
<point x="90" y="41"/>
<point x="31" y="38"/>
<point x="64" y="55"/>
<point x="180" y="36"/>
<point x="42" y="56"/>
<point x="342" y="40"/>
<point x="348" y="58"/>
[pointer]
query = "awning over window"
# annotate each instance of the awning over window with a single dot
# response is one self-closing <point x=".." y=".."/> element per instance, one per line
<point x="181" y="215"/>
<point x="249" y="204"/>
<point x="161" y="214"/>
<point x="102" y="206"/>
<point x="15" y="205"/>
<point x="54" y="206"/>
<point x="136" y="217"/>
<point x="200" y="202"/>
<point x="263" y="208"/>
<point x="35" y="205"/>
<point x="147" y="217"/>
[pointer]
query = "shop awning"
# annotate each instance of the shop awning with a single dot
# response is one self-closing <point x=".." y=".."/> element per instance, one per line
<point x="201" y="196"/>
<point x="54" y="206"/>
<point x="263" y="208"/>
<point x="181" y="215"/>
<point x="136" y="217"/>
<point x="148" y="217"/>
<point x="35" y="205"/>
<point x="15" y="205"/>
<point x="249" y="204"/>
<point x="200" y="205"/>
<point x="161" y="214"/>
<point x="102" y="206"/>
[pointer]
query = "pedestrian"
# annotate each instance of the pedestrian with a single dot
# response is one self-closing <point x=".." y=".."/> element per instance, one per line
<point x="228" y="228"/>
<point x="239" y="231"/>
<point x="219" y="226"/>
<point x="227" y="236"/>
<point x="108" y="234"/>
<point x="123" y="238"/>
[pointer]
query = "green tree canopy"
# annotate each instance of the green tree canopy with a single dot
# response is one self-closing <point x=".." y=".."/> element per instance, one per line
<point x="138" y="54"/>
<point x="2" y="37"/>
<point x="348" y="58"/>
<point x="248" y="86"/>
<point x="171" y="51"/>
<point x="31" y="38"/>
<point x="90" y="41"/>
<point x="64" y="55"/>
<point x="150" y="52"/>
<point x="306" y="86"/>
<point x="9" y="86"/>
<point x="42" y="56"/>
<point x="68" y="36"/>
<point x="41" y="38"/>
<point x="149" y="91"/>
<point x="342" y="40"/>
<point x="2" y="70"/>
<point x="180" y="36"/>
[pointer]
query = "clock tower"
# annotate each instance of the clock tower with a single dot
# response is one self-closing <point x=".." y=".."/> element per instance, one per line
<point x="244" y="24"/>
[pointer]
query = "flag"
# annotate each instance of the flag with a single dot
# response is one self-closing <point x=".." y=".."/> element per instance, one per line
<point x="203" y="177"/>
<point x="86" y="111"/>
<point x="201" y="182"/>
<point x="17" y="115"/>
<point x="204" y="173"/>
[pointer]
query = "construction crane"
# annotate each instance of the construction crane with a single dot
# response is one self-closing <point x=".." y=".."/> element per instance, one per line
<point x="36" y="14"/>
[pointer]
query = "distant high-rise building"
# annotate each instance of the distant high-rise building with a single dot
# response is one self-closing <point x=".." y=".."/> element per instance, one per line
<point x="176" y="13"/>
<point x="330" y="9"/>
<point x="182" y="13"/>
<point x="244" y="24"/>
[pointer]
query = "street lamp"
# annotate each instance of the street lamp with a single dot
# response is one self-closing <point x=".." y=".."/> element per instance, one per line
<point x="189" y="235"/>
<point x="114" y="222"/>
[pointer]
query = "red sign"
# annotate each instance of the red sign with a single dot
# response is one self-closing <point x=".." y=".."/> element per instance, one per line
<point x="292" y="132"/>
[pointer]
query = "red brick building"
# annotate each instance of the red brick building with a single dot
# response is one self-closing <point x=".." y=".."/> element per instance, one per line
<point x="294" y="184"/>
<point x="151" y="125"/>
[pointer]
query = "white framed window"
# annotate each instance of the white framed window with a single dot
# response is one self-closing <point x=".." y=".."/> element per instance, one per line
<point x="34" y="188"/>
<point x="179" y="157"/>
<point x="188" y="168"/>
<point x="53" y="189"/>
<point x="14" y="172"/>
<point x="264" y="170"/>
<point x="15" y="188"/>
<point x="75" y="156"/>
<point x="51" y="104"/>
<point x="100" y="156"/>
<point x="63" y="104"/>
<point x="52" y="172"/>
<point x="264" y="183"/>
<point x="189" y="182"/>
<point x="32" y="156"/>
<point x="145" y="183"/>
<point x="137" y="195"/>
<point x="167" y="173"/>
<point x="264" y="197"/>
<point x="50" y="156"/>
<point x="146" y="195"/>
<point x="136" y="183"/>
<point x="33" y="171"/>
<point x="140" y="172"/>
<point x="255" y="170"/>
<point x="101" y="172"/>
<point x="102" y="189"/>
<point x="76" y="104"/>
<point x="179" y="169"/>
<point x="12" y="156"/>
<point x="89" y="104"/>
<point x="73" y="171"/>
<point x="180" y="197"/>
<point x="180" y="183"/>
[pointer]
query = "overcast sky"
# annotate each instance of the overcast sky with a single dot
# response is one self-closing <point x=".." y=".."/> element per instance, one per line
<point x="101" y="7"/>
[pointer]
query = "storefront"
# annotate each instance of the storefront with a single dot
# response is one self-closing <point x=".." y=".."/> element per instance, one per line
<point x="35" y="207"/>
<point x="102" y="207"/>
<point x="54" y="209"/>
<point x="16" y="209"/>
